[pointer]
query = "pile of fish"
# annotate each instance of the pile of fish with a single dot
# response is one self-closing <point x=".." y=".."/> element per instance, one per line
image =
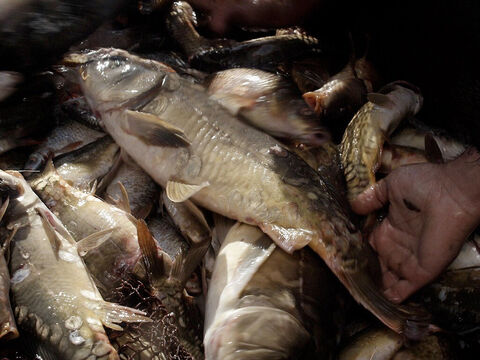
<point x="170" y="195"/>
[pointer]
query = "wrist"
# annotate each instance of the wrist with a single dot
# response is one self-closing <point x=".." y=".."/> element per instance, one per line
<point x="464" y="176"/>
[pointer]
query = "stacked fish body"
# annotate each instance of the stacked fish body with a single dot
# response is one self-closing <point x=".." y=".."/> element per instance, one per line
<point x="54" y="296"/>
<point x="134" y="154"/>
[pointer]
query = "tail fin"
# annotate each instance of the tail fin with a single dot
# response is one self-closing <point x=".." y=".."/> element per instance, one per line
<point x="411" y="321"/>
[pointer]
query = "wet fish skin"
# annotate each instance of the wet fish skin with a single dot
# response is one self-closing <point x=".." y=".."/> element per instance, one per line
<point x="264" y="303"/>
<point x="192" y="146"/>
<point x="141" y="189"/>
<point x="53" y="294"/>
<point x="371" y="125"/>
<point x="65" y="138"/>
<point x="341" y="95"/>
<point x="83" y="167"/>
<point x="268" y="102"/>
<point x="118" y="258"/>
<point x="8" y="328"/>
<point x="376" y="343"/>
<point x="84" y="214"/>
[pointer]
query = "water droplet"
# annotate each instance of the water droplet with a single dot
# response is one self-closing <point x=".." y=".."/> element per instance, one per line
<point x="75" y="338"/>
<point x="20" y="275"/>
<point x="73" y="322"/>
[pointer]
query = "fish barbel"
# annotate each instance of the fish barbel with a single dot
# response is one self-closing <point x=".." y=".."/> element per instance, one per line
<point x="192" y="146"/>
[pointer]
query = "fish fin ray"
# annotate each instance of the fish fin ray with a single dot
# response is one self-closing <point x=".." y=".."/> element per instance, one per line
<point x="277" y="233"/>
<point x="178" y="191"/>
<point x="56" y="225"/>
<point x="413" y="322"/>
<point x="154" y="263"/>
<point x="111" y="314"/>
<point x="93" y="241"/>
<point x="152" y="130"/>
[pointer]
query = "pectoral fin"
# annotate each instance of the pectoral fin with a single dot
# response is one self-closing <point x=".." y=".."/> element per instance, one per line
<point x="154" y="131"/>
<point x="178" y="191"/>
<point x="112" y="314"/>
<point x="93" y="241"/>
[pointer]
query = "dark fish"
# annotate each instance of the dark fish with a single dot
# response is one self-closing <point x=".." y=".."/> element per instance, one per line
<point x="263" y="53"/>
<point x="34" y="33"/>
<point x="132" y="189"/>
<point x="65" y="138"/>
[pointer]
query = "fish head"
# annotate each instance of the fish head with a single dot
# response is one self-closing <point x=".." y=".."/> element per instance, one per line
<point x="112" y="78"/>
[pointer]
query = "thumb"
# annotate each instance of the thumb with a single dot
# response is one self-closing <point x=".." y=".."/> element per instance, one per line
<point x="371" y="199"/>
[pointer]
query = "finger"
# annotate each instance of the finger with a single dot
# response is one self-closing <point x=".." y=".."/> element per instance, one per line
<point x="389" y="279"/>
<point x="371" y="199"/>
<point x="401" y="290"/>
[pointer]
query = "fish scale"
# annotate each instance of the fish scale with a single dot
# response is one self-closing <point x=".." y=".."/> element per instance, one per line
<point x="280" y="193"/>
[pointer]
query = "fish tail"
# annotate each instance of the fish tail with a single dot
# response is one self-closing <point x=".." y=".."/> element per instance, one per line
<point x="410" y="320"/>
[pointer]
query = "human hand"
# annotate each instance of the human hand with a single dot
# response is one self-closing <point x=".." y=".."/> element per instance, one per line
<point x="432" y="210"/>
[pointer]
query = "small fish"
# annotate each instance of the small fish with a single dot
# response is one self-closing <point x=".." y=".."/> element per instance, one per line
<point x="372" y="344"/>
<point x="54" y="297"/>
<point x="268" y="102"/>
<point x="85" y="166"/>
<point x="266" y="304"/>
<point x="132" y="189"/>
<point x="372" y="124"/>
<point x="343" y="94"/>
<point x="65" y="138"/>
<point x="128" y="252"/>
<point x="8" y="328"/>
